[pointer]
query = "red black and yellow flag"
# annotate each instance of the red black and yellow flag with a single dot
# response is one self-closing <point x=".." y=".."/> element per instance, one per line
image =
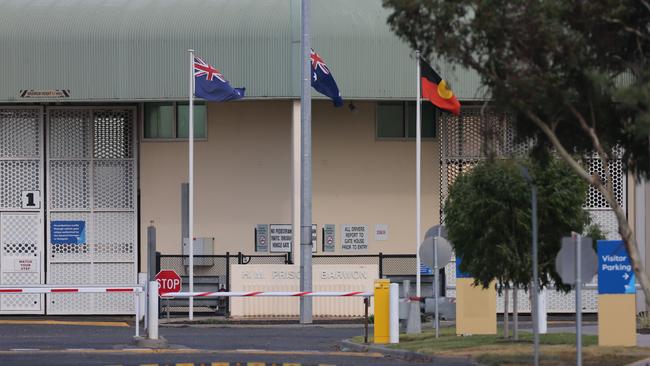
<point x="435" y="89"/>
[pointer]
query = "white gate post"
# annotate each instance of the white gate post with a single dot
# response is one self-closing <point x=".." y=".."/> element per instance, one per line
<point x="136" y="300"/>
<point x="394" y="313"/>
<point x="152" y="331"/>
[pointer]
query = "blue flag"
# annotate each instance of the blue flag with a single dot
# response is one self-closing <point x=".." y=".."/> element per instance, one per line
<point x="210" y="84"/>
<point x="322" y="79"/>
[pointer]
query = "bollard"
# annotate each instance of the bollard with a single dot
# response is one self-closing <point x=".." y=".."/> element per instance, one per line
<point x="152" y="331"/>
<point x="381" y="310"/>
<point x="394" y="313"/>
<point x="413" y="322"/>
<point x="542" y="317"/>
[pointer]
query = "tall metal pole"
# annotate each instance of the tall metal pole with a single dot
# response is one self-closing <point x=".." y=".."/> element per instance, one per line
<point x="418" y="160"/>
<point x="535" y="308"/>
<point x="578" y="286"/>
<point x="305" y="164"/>
<point x="191" y="182"/>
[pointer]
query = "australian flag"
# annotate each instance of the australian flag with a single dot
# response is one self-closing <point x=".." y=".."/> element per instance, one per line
<point x="322" y="79"/>
<point x="210" y="84"/>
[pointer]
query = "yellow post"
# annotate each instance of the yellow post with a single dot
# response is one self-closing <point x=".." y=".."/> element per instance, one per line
<point x="476" y="308"/>
<point x="617" y="320"/>
<point x="382" y="289"/>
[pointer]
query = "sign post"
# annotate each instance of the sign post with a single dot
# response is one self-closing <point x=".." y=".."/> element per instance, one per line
<point x="435" y="252"/>
<point x="574" y="262"/>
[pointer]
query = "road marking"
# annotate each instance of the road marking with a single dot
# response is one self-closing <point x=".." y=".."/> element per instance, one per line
<point x="64" y="322"/>
<point x="195" y="351"/>
<point x="80" y="349"/>
<point x="25" y="349"/>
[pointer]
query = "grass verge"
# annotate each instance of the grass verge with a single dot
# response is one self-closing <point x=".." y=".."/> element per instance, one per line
<point x="555" y="349"/>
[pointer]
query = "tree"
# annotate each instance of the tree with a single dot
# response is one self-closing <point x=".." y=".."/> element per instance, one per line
<point x="488" y="220"/>
<point x="574" y="73"/>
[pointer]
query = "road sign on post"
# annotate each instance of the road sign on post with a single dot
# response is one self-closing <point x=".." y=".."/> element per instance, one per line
<point x="565" y="261"/>
<point x="436" y="252"/>
<point x="168" y="281"/>
<point x="577" y="263"/>
<point x="427" y="252"/>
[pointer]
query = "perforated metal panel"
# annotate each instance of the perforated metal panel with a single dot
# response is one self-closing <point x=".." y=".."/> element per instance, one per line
<point x="93" y="181"/>
<point x="466" y="139"/>
<point x="556" y="302"/>
<point x="595" y="199"/>
<point x="21" y="229"/>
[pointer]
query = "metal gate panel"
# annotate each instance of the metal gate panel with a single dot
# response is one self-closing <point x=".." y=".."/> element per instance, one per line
<point x="22" y="240"/>
<point x="21" y="227"/>
<point x="93" y="181"/>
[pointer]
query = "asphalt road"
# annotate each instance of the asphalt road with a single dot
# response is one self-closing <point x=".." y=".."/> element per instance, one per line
<point x="47" y="344"/>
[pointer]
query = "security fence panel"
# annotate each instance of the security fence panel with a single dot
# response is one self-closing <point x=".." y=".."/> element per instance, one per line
<point x="21" y="210"/>
<point x="92" y="212"/>
<point x="467" y="139"/>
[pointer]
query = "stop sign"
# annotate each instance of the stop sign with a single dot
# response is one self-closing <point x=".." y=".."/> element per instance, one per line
<point x="168" y="281"/>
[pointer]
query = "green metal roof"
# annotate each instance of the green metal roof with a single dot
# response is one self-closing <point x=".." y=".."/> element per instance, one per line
<point x="123" y="50"/>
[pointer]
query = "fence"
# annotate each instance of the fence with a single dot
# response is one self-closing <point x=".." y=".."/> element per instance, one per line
<point x="213" y="272"/>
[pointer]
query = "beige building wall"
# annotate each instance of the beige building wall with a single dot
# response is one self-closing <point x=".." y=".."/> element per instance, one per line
<point x="243" y="177"/>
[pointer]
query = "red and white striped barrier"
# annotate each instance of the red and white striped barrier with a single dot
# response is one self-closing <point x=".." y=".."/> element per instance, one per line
<point x="64" y="289"/>
<point x="270" y="294"/>
<point x="52" y="289"/>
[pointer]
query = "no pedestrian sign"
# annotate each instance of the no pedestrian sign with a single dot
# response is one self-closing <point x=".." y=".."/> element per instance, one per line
<point x="615" y="274"/>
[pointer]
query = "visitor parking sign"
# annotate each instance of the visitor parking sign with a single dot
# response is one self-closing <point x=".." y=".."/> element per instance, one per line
<point x="615" y="273"/>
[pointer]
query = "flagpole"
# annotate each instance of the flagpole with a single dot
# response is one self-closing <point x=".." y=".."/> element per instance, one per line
<point x="191" y="182"/>
<point x="418" y="161"/>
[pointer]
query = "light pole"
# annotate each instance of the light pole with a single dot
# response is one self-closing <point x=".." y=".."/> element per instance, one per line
<point x="534" y="309"/>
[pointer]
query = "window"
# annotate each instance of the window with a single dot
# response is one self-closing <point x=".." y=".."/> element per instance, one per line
<point x="396" y="120"/>
<point x="165" y="121"/>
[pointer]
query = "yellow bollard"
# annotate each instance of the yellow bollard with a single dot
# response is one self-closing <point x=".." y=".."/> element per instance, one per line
<point x="382" y="290"/>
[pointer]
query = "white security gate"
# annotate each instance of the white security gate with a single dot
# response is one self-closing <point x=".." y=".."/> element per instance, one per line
<point x="21" y="210"/>
<point x="91" y="206"/>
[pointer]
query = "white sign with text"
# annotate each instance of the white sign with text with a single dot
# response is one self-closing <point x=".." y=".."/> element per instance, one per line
<point x="354" y="238"/>
<point x="281" y="236"/>
<point x="381" y="232"/>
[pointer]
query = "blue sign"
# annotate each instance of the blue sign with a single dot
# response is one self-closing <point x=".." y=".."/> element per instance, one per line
<point x="459" y="273"/>
<point x="615" y="273"/>
<point x="68" y="232"/>
<point x="425" y="270"/>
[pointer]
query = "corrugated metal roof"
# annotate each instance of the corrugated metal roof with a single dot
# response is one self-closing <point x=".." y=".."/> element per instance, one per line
<point x="137" y="49"/>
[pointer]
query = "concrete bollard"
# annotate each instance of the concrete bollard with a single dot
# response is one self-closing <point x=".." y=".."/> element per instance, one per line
<point x="381" y="311"/>
<point x="414" y="323"/>
<point x="394" y="313"/>
<point x="152" y="330"/>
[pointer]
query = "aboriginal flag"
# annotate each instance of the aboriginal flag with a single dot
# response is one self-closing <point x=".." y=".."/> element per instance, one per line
<point x="435" y="89"/>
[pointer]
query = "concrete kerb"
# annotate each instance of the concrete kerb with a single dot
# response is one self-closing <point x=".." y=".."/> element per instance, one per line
<point x="644" y="362"/>
<point x="144" y="342"/>
<point x="348" y="345"/>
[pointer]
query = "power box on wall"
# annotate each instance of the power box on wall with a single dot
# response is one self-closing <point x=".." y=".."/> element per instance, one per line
<point x="202" y="247"/>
